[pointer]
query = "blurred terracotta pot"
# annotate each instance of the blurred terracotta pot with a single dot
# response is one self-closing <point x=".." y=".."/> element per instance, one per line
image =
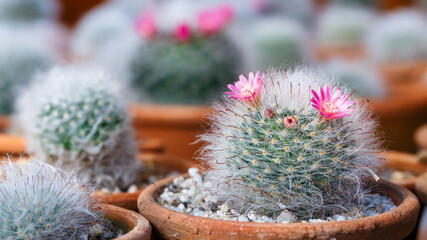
<point x="420" y="137"/>
<point x="405" y="162"/>
<point x="403" y="72"/>
<point x="401" y="113"/>
<point x="347" y="53"/>
<point x="155" y="163"/>
<point x="73" y="10"/>
<point x="176" y="126"/>
<point x="133" y="225"/>
<point x="13" y="145"/>
<point x="394" y="224"/>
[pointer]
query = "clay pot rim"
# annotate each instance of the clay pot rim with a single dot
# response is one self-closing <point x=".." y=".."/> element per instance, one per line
<point x="146" y="200"/>
<point x="141" y="228"/>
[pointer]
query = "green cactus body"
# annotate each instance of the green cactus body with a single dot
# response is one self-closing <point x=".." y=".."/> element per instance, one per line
<point x="184" y="73"/>
<point x="279" y="154"/>
<point x="94" y="117"/>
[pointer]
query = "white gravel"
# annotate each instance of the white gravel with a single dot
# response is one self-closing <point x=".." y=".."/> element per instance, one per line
<point x="188" y="196"/>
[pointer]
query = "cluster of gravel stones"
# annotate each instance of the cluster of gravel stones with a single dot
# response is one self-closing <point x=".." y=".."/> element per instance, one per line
<point x="134" y="187"/>
<point x="187" y="195"/>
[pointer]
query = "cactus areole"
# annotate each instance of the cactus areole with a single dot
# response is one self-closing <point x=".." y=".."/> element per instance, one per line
<point x="297" y="142"/>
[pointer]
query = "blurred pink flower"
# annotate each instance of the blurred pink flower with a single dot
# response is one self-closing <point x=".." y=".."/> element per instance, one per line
<point x="146" y="25"/>
<point x="183" y="32"/>
<point x="247" y="90"/>
<point x="333" y="107"/>
<point x="211" y="21"/>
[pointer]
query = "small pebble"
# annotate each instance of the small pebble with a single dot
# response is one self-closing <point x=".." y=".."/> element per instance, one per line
<point x="133" y="189"/>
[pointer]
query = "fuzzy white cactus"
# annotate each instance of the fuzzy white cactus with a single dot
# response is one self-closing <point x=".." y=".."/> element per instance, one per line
<point x="343" y="26"/>
<point x="21" y="56"/>
<point x="76" y="116"/>
<point x="98" y="28"/>
<point x="279" y="143"/>
<point x="38" y="201"/>
<point x="277" y="41"/>
<point x="398" y="36"/>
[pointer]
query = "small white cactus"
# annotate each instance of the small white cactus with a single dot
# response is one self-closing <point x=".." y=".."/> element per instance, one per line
<point x="398" y="36"/>
<point x="76" y="116"/>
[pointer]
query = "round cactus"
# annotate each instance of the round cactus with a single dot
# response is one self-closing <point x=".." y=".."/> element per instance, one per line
<point x="76" y="116"/>
<point x="276" y="42"/>
<point x="98" y="28"/>
<point x="358" y="76"/>
<point x="290" y="141"/>
<point x="399" y="36"/>
<point x="172" y="72"/>
<point x="343" y="26"/>
<point x="26" y="10"/>
<point x="186" y="57"/>
<point x="39" y="201"/>
<point x="20" y="58"/>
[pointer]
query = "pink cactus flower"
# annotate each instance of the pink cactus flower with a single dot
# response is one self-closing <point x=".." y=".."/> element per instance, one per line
<point x="146" y="25"/>
<point x="247" y="90"/>
<point x="183" y="32"/>
<point x="333" y="107"/>
<point x="290" y="122"/>
<point x="211" y="21"/>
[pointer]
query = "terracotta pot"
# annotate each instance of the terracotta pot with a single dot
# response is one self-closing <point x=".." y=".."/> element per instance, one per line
<point x="401" y="113"/>
<point x="420" y="136"/>
<point x="13" y="145"/>
<point x="176" y="126"/>
<point x="394" y="224"/>
<point x="403" y="72"/>
<point x="132" y="224"/>
<point x="154" y="163"/>
<point x="405" y="162"/>
<point x="389" y="5"/>
<point x="347" y="53"/>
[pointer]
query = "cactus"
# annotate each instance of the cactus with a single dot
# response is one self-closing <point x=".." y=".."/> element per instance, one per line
<point x="358" y="76"/>
<point x="76" y="116"/>
<point x="276" y="41"/>
<point x="20" y="58"/>
<point x="341" y="26"/>
<point x="181" y="63"/>
<point x="98" y="28"/>
<point x="38" y="201"/>
<point x="399" y="36"/>
<point x="277" y="143"/>
<point x="26" y="10"/>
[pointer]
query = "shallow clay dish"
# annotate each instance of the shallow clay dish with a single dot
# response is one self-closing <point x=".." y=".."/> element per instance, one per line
<point x="405" y="162"/>
<point x="394" y="224"/>
<point x="132" y="224"/>
<point x="155" y="163"/>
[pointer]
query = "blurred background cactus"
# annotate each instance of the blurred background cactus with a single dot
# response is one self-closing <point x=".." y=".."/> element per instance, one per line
<point x="273" y="42"/>
<point x="21" y="57"/>
<point x="39" y="201"/>
<point x="27" y="10"/>
<point x="399" y="36"/>
<point x="343" y="26"/>
<point x="184" y="56"/>
<point x="358" y="76"/>
<point x="76" y="116"/>
<point x="289" y="141"/>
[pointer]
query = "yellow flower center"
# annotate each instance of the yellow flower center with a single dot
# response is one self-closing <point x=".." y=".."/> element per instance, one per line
<point x="247" y="91"/>
<point x="330" y="108"/>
